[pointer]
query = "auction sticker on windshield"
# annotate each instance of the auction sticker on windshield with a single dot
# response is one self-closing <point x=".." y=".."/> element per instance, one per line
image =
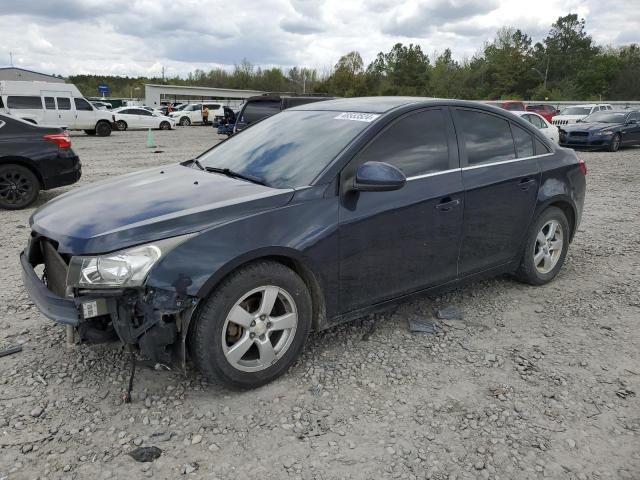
<point x="357" y="116"/>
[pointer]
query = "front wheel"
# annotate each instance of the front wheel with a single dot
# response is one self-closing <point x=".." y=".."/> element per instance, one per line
<point x="19" y="187"/>
<point x="185" y="121"/>
<point x="614" y="146"/>
<point x="165" y="126"/>
<point x="121" y="125"/>
<point x="253" y="327"/>
<point x="103" y="129"/>
<point x="546" y="248"/>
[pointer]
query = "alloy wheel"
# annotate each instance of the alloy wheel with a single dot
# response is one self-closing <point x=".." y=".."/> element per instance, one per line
<point x="15" y="188"/>
<point x="548" y="247"/>
<point x="259" y="329"/>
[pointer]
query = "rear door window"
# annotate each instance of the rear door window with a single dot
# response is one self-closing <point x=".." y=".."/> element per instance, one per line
<point x="255" y="111"/>
<point x="24" y="102"/>
<point x="487" y="138"/>
<point x="82" y="104"/>
<point x="417" y="144"/>
<point x="64" y="103"/>
<point x="49" y="103"/>
<point x="523" y="141"/>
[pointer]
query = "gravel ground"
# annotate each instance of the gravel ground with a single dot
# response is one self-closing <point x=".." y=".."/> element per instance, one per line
<point x="530" y="383"/>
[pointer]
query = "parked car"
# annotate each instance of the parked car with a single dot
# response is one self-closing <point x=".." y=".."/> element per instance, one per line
<point x="320" y="214"/>
<point x="512" y="105"/>
<point x="541" y="124"/>
<point x="546" y="111"/>
<point x="152" y="110"/>
<point x="571" y="115"/>
<point x="102" y="105"/>
<point x="603" y="130"/>
<point x="192" y="113"/>
<point x="130" y="118"/>
<point x="53" y="105"/>
<point x="257" y="108"/>
<point x="33" y="158"/>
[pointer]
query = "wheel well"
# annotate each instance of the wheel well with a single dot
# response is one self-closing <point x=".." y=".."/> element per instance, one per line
<point x="25" y="164"/>
<point x="567" y="209"/>
<point x="308" y="277"/>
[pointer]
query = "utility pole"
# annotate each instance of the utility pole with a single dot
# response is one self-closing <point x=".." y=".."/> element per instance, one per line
<point x="163" y="74"/>
<point x="11" y="58"/>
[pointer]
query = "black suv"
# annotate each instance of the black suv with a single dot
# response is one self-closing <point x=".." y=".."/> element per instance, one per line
<point x="257" y="108"/>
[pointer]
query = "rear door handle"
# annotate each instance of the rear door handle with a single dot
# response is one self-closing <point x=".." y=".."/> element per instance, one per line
<point x="526" y="183"/>
<point x="447" y="204"/>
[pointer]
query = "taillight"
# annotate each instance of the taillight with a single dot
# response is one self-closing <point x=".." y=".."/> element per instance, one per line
<point x="583" y="166"/>
<point x="60" y="139"/>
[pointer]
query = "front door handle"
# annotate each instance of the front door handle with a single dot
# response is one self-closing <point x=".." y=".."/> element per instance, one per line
<point x="447" y="204"/>
<point x="526" y="183"/>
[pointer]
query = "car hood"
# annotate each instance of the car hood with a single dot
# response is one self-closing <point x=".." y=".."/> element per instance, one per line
<point x="590" y="127"/>
<point x="149" y="205"/>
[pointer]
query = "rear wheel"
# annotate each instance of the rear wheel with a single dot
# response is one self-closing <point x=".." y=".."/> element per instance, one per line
<point x="614" y="146"/>
<point x="253" y="327"/>
<point x="165" y="126"/>
<point x="121" y="125"/>
<point x="19" y="187"/>
<point x="103" y="129"/>
<point x="546" y="248"/>
<point x="185" y="121"/>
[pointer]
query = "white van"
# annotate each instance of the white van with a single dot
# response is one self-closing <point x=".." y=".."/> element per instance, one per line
<point x="55" y="105"/>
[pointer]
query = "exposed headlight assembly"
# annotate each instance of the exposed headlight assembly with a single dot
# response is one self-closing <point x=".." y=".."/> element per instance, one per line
<point x="604" y="133"/>
<point x="124" y="268"/>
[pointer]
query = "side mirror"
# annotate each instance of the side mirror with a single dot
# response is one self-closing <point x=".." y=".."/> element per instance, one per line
<point x="378" y="177"/>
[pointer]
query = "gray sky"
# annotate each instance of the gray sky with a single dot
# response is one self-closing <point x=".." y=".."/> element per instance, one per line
<point x="138" y="37"/>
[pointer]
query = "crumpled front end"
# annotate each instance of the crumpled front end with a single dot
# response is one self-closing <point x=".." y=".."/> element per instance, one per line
<point x="154" y="319"/>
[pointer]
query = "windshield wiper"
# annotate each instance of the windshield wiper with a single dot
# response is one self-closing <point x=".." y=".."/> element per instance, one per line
<point x="231" y="173"/>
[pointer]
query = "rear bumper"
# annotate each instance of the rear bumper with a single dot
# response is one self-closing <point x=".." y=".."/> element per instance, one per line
<point x="67" y="175"/>
<point x="52" y="306"/>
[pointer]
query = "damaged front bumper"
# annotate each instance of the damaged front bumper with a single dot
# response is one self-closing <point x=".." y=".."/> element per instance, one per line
<point x="156" y="320"/>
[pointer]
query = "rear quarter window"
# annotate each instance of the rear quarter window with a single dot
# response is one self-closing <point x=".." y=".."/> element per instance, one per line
<point x="540" y="147"/>
<point x="523" y="141"/>
<point x="255" y="111"/>
<point x="24" y="102"/>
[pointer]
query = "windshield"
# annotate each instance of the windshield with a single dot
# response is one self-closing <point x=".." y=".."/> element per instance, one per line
<point x="288" y="149"/>
<point x="605" y="117"/>
<point x="576" y="111"/>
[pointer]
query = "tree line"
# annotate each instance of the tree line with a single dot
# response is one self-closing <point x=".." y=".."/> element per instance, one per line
<point x="566" y="65"/>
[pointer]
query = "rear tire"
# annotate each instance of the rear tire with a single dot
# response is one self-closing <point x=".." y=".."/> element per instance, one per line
<point x="546" y="248"/>
<point x="19" y="187"/>
<point x="614" y="146"/>
<point x="264" y="307"/>
<point x="103" y="129"/>
<point x="121" y="125"/>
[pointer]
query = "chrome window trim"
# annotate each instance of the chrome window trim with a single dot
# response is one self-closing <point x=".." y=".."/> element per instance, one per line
<point x="471" y="167"/>
<point x="481" y="165"/>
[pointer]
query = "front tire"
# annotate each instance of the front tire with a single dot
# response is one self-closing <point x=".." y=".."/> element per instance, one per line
<point x="103" y="129"/>
<point x="165" y="125"/>
<point x="19" y="187"/>
<point x="185" y="121"/>
<point x="253" y="327"/>
<point x="121" y="125"/>
<point x="614" y="146"/>
<point x="546" y="248"/>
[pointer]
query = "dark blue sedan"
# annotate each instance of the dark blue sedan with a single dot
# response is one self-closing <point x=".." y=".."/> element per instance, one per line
<point x="603" y="130"/>
<point x="314" y="216"/>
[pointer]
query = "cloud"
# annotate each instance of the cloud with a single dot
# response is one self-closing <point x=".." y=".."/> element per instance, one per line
<point x="422" y="18"/>
<point x="139" y="37"/>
